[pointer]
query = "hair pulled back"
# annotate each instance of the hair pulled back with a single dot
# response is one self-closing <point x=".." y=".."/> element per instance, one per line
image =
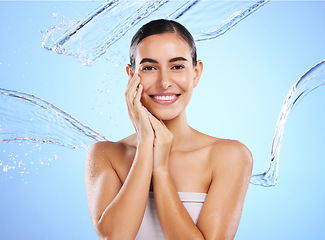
<point x="158" y="27"/>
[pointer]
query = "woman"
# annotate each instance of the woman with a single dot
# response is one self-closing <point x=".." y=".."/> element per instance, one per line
<point x="167" y="180"/>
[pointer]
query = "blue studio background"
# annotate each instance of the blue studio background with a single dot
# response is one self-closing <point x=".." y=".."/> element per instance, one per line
<point x="247" y="74"/>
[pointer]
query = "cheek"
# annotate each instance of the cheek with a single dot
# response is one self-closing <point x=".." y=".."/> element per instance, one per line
<point x="146" y="82"/>
<point x="185" y="82"/>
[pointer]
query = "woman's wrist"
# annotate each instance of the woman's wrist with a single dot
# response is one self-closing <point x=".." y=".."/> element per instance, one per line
<point x="145" y="142"/>
<point x="161" y="171"/>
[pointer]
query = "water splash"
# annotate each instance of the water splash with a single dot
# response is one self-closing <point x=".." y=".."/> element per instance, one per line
<point x="24" y="117"/>
<point x="221" y="17"/>
<point x="33" y="123"/>
<point x="87" y="41"/>
<point x="30" y="120"/>
<point x="312" y="79"/>
<point x="43" y="122"/>
<point x="91" y="37"/>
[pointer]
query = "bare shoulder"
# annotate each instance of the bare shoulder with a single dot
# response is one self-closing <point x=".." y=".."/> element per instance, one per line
<point x="101" y="150"/>
<point x="107" y="151"/>
<point x="98" y="157"/>
<point x="231" y="153"/>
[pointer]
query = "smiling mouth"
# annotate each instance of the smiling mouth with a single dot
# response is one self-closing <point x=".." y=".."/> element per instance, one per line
<point x="165" y="97"/>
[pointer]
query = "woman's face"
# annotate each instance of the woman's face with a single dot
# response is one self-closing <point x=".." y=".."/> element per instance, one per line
<point x="166" y="70"/>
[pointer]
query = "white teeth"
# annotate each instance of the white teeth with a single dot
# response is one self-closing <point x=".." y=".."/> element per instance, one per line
<point x="165" y="98"/>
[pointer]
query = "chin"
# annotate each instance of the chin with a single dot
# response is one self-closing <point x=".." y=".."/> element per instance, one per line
<point x="165" y="116"/>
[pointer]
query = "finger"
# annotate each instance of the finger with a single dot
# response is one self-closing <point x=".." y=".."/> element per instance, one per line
<point x="163" y="124"/>
<point x="136" y="101"/>
<point x="132" y="83"/>
<point x="160" y="128"/>
<point x="131" y="78"/>
<point x="147" y="112"/>
<point x="134" y="88"/>
<point x="129" y="94"/>
<point x="156" y="124"/>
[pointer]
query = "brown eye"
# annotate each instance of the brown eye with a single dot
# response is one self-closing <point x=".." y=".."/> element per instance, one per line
<point x="178" y="67"/>
<point x="148" y="68"/>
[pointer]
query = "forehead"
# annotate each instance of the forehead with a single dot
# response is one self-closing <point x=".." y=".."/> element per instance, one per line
<point x="163" y="46"/>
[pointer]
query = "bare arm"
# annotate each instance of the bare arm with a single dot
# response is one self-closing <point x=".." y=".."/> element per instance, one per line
<point x="221" y="212"/>
<point x="174" y="219"/>
<point x="115" y="207"/>
<point x="117" y="210"/>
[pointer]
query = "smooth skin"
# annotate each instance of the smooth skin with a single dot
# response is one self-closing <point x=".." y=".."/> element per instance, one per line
<point x="165" y="156"/>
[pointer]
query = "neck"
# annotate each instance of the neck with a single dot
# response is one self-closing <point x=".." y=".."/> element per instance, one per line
<point x="180" y="129"/>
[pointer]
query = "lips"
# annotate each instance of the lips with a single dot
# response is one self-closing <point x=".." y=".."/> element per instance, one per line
<point x="165" y="98"/>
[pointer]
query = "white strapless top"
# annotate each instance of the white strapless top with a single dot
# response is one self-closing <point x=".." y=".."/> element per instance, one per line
<point x="150" y="228"/>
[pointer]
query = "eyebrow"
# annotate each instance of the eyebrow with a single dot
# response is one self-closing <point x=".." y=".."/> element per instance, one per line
<point x="150" y="60"/>
<point x="178" y="59"/>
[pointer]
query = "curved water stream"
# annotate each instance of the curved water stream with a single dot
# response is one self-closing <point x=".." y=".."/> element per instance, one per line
<point x="27" y="118"/>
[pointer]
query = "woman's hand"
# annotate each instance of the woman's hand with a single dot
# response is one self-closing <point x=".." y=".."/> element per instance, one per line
<point x="139" y="115"/>
<point x="162" y="144"/>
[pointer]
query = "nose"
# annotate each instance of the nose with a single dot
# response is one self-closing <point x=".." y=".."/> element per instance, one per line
<point x="164" y="80"/>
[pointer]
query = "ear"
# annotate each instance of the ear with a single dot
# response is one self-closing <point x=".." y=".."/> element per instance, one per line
<point x="198" y="71"/>
<point x="129" y="70"/>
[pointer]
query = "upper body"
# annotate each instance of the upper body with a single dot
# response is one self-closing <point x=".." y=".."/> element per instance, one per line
<point x="165" y="155"/>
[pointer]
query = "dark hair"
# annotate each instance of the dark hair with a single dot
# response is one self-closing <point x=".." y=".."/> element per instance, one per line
<point x="158" y="27"/>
